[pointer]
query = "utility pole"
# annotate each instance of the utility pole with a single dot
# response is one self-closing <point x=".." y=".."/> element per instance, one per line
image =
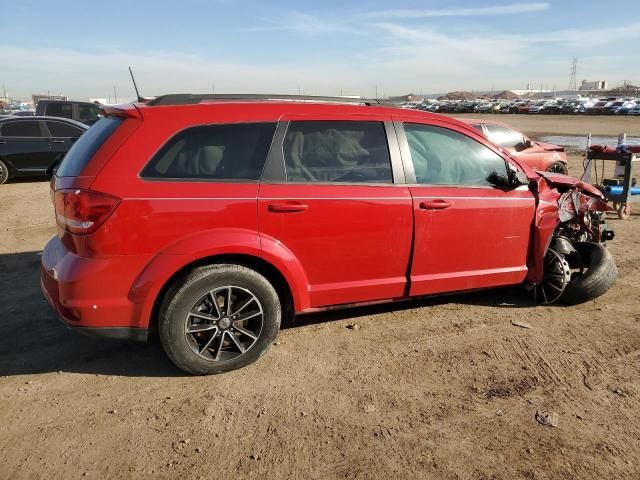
<point x="573" y="78"/>
<point x="115" y="95"/>
<point x="376" y="91"/>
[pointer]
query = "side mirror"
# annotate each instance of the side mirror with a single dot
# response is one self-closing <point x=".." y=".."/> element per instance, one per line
<point x="516" y="176"/>
<point x="498" y="179"/>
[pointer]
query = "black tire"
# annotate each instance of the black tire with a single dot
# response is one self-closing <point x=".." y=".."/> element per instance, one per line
<point x="599" y="275"/>
<point x="558" y="167"/>
<point x="181" y="300"/>
<point x="4" y="173"/>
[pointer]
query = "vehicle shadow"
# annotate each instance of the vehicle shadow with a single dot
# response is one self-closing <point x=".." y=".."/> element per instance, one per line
<point x="35" y="341"/>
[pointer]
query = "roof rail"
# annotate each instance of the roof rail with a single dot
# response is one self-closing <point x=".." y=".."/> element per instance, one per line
<point x="191" y="99"/>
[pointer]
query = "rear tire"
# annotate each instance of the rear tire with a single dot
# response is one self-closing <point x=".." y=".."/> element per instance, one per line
<point x="4" y="173"/>
<point x="212" y="341"/>
<point x="599" y="275"/>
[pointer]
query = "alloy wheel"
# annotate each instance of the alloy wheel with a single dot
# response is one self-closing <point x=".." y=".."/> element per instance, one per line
<point x="224" y="323"/>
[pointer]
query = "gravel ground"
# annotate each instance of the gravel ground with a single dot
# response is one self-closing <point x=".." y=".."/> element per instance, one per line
<point x="441" y="388"/>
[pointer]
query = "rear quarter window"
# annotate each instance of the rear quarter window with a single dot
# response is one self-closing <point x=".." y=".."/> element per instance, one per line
<point x="87" y="145"/>
<point x="214" y="152"/>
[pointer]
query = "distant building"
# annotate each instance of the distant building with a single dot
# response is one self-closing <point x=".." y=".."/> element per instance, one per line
<point x="597" y="85"/>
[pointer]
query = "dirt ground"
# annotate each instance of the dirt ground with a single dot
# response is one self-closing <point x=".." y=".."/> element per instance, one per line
<point x="441" y="388"/>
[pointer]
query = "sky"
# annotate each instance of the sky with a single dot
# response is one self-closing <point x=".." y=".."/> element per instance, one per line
<point x="82" y="48"/>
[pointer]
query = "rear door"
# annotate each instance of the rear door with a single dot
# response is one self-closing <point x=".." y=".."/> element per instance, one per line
<point x="468" y="233"/>
<point x="333" y="196"/>
<point x="25" y="145"/>
<point x="61" y="136"/>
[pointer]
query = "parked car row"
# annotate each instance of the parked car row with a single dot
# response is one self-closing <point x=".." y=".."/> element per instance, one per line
<point x="588" y="106"/>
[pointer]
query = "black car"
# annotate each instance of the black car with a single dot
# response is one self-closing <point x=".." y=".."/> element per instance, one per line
<point x="29" y="145"/>
<point x="83" y="112"/>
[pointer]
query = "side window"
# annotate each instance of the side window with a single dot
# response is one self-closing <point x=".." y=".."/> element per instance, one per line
<point x="505" y="137"/>
<point x="337" y="151"/>
<point x="214" y="152"/>
<point x="87" y="113"/>
<point x="444" y="157"/>
<point x="60" y="129"/>
<point x="60" y="110"/>
<point x="22" y="128"/>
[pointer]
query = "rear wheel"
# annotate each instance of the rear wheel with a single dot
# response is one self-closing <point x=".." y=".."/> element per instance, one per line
<point x="219" y="318"/>
<point x="558" y="167"/>
<point x="4" y="173"/>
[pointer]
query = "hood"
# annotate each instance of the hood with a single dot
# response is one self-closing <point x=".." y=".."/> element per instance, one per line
<point x="550" y="147"/>
<point x="560" y="180"/>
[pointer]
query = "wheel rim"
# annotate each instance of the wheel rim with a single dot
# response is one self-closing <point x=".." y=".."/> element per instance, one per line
<point x="224" y="323"/>
<point x="556" y="277"/>
<point x="557" y="168"/>
<point x="2" y="171"/>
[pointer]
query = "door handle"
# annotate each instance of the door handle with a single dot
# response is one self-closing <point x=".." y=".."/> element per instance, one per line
<point x="56" y="141"/>
<point x="437" y="204"/>
<point x="287" y="207"/>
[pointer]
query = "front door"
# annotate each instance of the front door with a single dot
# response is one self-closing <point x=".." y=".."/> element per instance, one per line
<point x="468" y="232"/>
<point x="331" y="201"/>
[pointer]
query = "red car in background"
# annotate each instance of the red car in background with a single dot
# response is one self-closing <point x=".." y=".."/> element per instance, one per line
<point x="538" y="155"/>
<point x="209" y="220"/>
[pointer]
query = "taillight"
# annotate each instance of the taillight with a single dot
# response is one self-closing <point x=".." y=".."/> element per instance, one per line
<point x="82" y="211"/>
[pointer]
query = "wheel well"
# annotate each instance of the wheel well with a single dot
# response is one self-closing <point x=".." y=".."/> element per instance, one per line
<point x="261" y="266"/>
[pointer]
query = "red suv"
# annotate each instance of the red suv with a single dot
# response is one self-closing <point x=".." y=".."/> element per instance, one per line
<point x="211" y="219"/>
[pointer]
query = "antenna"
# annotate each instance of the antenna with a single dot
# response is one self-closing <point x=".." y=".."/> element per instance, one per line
<point x="140" y="99"/>
<point x="572" y="79"/>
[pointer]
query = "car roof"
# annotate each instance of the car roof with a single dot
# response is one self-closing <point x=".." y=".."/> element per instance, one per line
<point x="97" y="105"/>
<point x="33" y="117"/>
<point x="267" y="109"/>
<point x="473" y="121"/>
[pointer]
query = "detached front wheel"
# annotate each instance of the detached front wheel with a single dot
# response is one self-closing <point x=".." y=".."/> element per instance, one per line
<point x="219" y="318"/>
<point x="594" y="277"/>
<point x="558" y="167"/>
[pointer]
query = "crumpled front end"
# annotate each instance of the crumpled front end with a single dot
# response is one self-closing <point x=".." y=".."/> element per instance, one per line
<point x="569" y="209"/>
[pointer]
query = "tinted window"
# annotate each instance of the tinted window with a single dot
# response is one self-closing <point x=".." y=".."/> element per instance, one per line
<point x="60" y="110"/>
<point x="222" y="152"/>
<point x="87" y="113"/>
<point x="505" y="137"/>
<point x="337" y="151"/>
<point x="444" y="157"/>
<point x="60" y="129"/>
<point x="87" y="145"/>
<point x="21" y="129"/>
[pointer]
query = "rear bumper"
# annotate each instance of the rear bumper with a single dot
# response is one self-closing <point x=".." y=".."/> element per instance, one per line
<point x="90" y="295"/>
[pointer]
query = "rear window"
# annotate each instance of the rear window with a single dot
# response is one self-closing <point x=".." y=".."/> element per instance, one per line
<point x="87" y="145"/>
<point x="214" y="152"/>
<point x="60" y="129"/>
<point x="64" y="110"/>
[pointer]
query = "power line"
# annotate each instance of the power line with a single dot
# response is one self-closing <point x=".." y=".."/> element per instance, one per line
<point x="573" y="82"/>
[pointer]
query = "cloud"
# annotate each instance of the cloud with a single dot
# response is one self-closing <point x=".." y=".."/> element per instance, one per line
<point x="508" y="9"/>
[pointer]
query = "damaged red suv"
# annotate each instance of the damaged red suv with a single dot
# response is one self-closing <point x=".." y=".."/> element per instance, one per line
<point x="212" y="218"/>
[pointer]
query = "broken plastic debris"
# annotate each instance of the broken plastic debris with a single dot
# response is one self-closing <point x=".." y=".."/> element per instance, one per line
<point x="549" y="419"/>
<point x="520" y="323"/>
